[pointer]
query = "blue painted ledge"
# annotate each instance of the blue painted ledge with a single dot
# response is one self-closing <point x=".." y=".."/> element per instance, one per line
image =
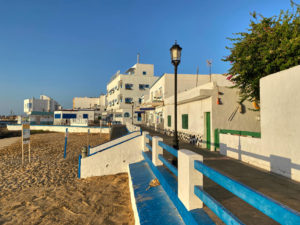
<point x="153" y="205"/>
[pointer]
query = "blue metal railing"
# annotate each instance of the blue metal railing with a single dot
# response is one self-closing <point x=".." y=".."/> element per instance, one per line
<point x="149" y="137"/>
<point x="168" y="148"/>
<point x="172" y="168"/>
<point x="149" y="147"/>
<point x="278" y="212"/>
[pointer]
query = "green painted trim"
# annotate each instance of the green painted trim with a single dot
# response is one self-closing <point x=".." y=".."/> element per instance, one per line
<point x="169" y="121"/>
<point x="207" y="118"/>
<point x="217" y="139"/>
<point x="185" y="121"/>
<point x="243" y="133"/>
<point x="41" y="113"/>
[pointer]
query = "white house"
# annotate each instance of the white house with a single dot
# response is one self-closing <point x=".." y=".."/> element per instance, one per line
<point x="40" y="111"/>
<point x="125" y="90"/>
<point x="71" y="117"/>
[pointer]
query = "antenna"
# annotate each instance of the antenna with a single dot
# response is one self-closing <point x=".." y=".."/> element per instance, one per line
<point x="209" y="63"/>
<point x="197" y="76"/>
<point x="138" y="58"/>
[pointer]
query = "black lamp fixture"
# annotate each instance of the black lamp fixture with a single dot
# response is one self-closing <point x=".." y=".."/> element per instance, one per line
<point x="175" y="51"/>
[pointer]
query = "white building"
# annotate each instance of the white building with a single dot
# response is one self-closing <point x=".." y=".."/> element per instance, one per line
<point x="40" y="111"/>
<point x="71" y="117"/>
<point x="125" y="90"/>
<point x="97" y="103"/>
<point x="163" y="88"/>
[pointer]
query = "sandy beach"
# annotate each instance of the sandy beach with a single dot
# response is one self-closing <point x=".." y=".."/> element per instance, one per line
<point x="47" y="191"/>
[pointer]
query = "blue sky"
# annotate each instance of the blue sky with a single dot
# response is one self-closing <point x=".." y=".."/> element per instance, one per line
<point x="71" y="48"/>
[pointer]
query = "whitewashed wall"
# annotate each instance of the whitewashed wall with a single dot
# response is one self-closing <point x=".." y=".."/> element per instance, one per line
<point x="246" y="149"/>
<point x="280" y="121"/>
<point x="54" y="128"/>
<point x="113" y="160"/>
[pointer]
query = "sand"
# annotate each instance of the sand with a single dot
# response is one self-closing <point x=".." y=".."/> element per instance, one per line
<point x="47" y="191"/>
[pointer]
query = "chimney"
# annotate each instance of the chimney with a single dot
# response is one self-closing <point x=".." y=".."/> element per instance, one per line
<point x="138" y="58"/>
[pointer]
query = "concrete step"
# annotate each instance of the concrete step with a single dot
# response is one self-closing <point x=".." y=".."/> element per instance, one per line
<point x="151" y="206"/>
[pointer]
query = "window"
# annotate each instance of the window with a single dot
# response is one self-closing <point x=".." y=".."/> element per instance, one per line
<point x="57" y="116"/>
<point x="146" y="85"/>
<point x="126" y="114"/>
<point x="185" y="121"/>
<point x="140" y="101"/>
<point x="129" y="86"/>
<point x="142" y="87"/>
<point x="128" y="100"/>
<point x="85" y="116"/>
<point x="144" y="72"/>
<point x="69" y="116"/>
<point x="29" y="105"/>
<point x="169" y="121"/>
<point x="118" y="115"/>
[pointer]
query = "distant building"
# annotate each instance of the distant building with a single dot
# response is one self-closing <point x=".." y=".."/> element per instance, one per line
<point x="40" y="111"/>
<point x="124" y="92"/>
<point x="97" y="103"/>
<point x="80" y="117"/>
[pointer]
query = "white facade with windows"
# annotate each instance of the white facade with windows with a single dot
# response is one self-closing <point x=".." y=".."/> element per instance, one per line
<point x="124" y="92"/>
<point x="40" y="111"/>
<point x="43" y="104"/>
<point x="71" y="117"/>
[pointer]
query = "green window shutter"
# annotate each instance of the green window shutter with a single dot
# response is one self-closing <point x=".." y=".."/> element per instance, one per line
<point x="185" y="121"/>
<point x="169" y="121"/>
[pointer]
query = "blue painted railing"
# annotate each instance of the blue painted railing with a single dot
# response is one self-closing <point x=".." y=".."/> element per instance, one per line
<point x="172" y="168"/>
<point x="278" y="212"/>
<point x="168" y="148"/>
<point x="149" y="137"/>
<point x="225" y="215"/>
<point x="149" y="147"/>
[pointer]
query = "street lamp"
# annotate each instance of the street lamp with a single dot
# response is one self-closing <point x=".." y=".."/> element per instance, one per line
<point x="175" y="57"/>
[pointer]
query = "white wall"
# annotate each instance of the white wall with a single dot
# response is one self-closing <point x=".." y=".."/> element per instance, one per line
<point x="246" y="149"/>
<point x="86" y="103"/>
<point x="71" y="129"/>
<point x="280" y="121"/>
<point x="113" y="160"/>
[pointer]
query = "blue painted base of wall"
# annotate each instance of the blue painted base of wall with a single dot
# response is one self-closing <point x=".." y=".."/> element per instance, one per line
<point x="153" y="205"/>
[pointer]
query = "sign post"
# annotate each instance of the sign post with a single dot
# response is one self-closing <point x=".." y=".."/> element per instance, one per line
<point x="66" y="141"/>
<point x="25" y="140"/>
<point x="88" y="141"/>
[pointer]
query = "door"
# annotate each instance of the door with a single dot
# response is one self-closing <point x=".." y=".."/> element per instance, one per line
<point x="207" y="124"/>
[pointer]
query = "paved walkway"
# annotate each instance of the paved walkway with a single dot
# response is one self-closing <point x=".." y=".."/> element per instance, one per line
<point x="118" y="131"/>
<point x="275" y="186"/>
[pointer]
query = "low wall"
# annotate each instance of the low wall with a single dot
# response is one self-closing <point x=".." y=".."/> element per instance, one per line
<point x="114" y="159"/>
<point x="57" y="128"/>
<point x="130" y="127"/>
<point x="246" y="149"/>
<point x="114" y="142"/>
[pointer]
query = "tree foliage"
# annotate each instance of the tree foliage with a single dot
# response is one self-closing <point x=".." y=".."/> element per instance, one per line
<point x="270" y="45"/>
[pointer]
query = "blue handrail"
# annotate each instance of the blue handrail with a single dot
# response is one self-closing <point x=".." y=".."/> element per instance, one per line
<point x="168" y="148"/>
<point x="149" y="137"/>
<point x="225" y="215"/>
<point x="149" y="147"/>
<point x="172" y="168"/>
<point x="278" y="212"/>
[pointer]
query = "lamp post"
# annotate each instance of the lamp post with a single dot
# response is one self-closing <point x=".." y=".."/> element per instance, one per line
<point x="175" y="57"/>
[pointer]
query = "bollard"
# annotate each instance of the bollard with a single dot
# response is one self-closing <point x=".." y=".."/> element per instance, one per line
<point x="66" y="141"/>
<point x="84" y="152"/>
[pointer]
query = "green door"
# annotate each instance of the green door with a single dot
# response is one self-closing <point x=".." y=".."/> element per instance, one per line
<point x="207" y="118"/>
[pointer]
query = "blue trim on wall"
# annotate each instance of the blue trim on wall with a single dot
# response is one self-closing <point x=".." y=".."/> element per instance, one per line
<point x="149" y="147"/>
<point x="226" y="216"/>
<point x="114" y="145"/>
<point x="57" y="126"/>
<point x="168" y="148"/>
<point x="185" y="214"/>
<point x="172" y="168"/>
<point x="79" y="166"/>
<point x="278" y="212"/>
<point x="149" y="137"/>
